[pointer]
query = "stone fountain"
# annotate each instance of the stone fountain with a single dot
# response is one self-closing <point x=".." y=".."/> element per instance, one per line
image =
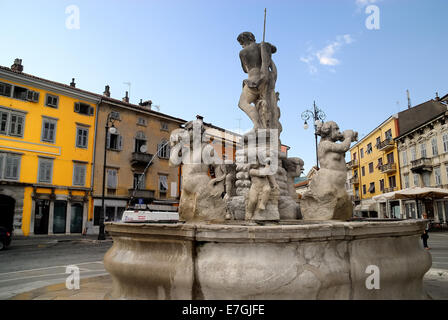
<point x="243" y="233"/>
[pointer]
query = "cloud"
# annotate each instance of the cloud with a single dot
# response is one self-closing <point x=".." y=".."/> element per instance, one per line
<point x="363" y="3"/>
<point x="325" y="56"/>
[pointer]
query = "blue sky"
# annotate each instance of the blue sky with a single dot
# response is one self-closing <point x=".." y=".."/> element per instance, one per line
<point x="183" y="55"/>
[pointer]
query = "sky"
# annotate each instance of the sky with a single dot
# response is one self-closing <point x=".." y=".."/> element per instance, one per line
<point x="183" y="55"/>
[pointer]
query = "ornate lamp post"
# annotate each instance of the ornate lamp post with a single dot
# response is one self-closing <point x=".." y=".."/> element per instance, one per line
<point x="109" y="130"/>
<point x="317" y="115"/>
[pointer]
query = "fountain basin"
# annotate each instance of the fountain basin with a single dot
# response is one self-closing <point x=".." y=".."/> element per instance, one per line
<point x="290" y="260"/>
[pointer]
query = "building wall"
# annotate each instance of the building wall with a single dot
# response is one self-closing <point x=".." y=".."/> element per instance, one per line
<point x="364" y="158"/>
<point x="120" y="160"/>
<point x="31" y="148"/>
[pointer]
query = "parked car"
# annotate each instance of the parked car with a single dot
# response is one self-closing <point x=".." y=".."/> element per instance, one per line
<point x="5" y="238"/>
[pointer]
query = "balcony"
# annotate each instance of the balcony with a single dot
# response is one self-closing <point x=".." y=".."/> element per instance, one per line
<point x="385" y="145"/>
<point x="421" y="165"/>
<point x="143" y="193"/>
<point x="352" y="164"/>
<point x="140" y="159"/>
<point x="354" y="180"/>
<point x="356" y="197"/>
<point x="391" y="189"/>
<point x="388" y="168"/>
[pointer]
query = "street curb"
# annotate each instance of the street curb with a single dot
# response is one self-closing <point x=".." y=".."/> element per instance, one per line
<point x="17" y="244"/>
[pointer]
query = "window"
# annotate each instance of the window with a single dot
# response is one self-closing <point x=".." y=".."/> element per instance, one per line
<point x="423" y="150"/>
<point x="163" y="183"/>
<point x="5" y="89"/>
<point x="79" y="174"/>
<point x="382" y="185"/>
<point x="354" y="155"/>
<point x="392" y="182"/>
<point x="25" y="94"/>
<point x="114" y="141"/>
<point x="406" y="181"/>
<point x="378" y="141"/>
<point x="355" y="173"/>
<point x="48" y="130"/>
<point x="426" y="179"/>
<point x="404" y="157"/>
<point x="82" y="137"/>
<point x="361" y="152"/>
<point x="390" y="157"/>
<point x="370" y="167"/>
<point x="416" y="180"/>
<point x="12" y="122"/>
<point x="141" y="121"/>
<point x="51" y="100"/>
<point x="372" y="187"/>
<point x="435" y="150"/>
<point x="115" y="115"/>
<point x="369" y="148"/>
<point x="163" y="150"/>
<point x="139" y="181"/>
<point x="413" y="153"/>
<point x="9" y="166"/>
<point x="445" y="142"/>
<point x="363" y="171"/>
<point x="357" y="192"/>
<point x="388" y="134"/>
<point x="140" y="143"/>
<point x="111" y="181"/>
<point x="45" y="172"/>
<point x="380" y="162"/>
<point x="164" y="126"/>
<point x="437" y="176"/>
<point x="84" y="108"/>
<point x="364" y="189"/>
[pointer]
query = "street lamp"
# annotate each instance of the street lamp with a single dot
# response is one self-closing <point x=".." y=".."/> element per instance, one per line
<point x="109" y="130"/>
<point x="317" y="115"/>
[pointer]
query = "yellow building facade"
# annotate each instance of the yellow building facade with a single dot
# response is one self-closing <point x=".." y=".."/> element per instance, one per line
<point x="47" y="133"/>
<point x="375" y="165"/>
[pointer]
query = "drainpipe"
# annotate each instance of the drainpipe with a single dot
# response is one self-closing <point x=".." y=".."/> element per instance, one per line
<point x="92" y="181"/>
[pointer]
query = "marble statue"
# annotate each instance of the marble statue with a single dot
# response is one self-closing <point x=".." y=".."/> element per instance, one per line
<point x="201" y="195"/>
<point x="258" y="98"/>
<point x="288" y="205"/>
<point x="327" y="198"/>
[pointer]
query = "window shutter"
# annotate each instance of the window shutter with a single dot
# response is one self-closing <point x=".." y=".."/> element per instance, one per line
<point x="120" y="142"/>
<point x="108" y="140"/>
<point x="36" y="96"/>
<point x="77" y="106"/>
<point x="29" y="95"/>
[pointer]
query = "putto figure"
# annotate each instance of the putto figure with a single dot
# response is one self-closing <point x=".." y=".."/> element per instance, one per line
<point x="258" y="98"/>
<point x="327" y="198"/>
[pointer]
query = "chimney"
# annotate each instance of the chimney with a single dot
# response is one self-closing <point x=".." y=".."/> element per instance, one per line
<point x="437" y="96"/>
<point x="126" y="98"/>
<point x="73" y="84"/>
<point x="17" y="66"/>
<point x="106" y="91"/>
<point x="200" y="117"/>
<point x="146" y="104"/>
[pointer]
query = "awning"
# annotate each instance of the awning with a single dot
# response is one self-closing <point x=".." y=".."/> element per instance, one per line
<point x="385" y="196"/>
<point x="412" y="193"/>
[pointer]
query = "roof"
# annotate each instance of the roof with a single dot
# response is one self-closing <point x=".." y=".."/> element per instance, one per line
<point x="374" y="130"/>
<point x="98" y="96"/>
<point x="414" y="117"/>
<point x="444" y="98"/>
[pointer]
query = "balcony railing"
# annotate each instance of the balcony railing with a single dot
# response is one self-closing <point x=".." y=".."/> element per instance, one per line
<point x="354" y="180"/>
<point x="142" y="193"/>
<point x="422" y="164"/>
<point x="356" y="198"/>
<point x="385" y="145"/>
<point x="388" y="167"/>
<point x="352" y="164"/>
<point x="138" y="158"/>
<point x="391" y="189"/>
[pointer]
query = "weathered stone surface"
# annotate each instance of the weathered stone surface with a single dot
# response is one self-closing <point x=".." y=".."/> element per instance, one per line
<point x="322" y="260"/>
<point x="327" y="198"/>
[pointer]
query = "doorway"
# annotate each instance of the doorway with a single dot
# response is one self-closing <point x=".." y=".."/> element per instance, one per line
<point x="76" y="218"/>
<point x="7" y="205"/>
<point x="41" y="214"/>
<point x="429" y="208"/>
<point x="60" y="216"/>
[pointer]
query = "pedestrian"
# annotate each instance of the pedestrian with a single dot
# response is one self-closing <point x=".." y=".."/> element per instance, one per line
<point x="425" y="238"/>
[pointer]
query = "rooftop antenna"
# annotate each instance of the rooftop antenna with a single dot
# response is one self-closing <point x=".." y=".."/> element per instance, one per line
<point x="264" y="26"/>
<point x="129" y="88"/>
<point x="409" y="99"/>
<point x="157" y="107"/>
<point x="239" y="124"/>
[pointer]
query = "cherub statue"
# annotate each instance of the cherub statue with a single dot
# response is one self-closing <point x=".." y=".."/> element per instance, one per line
<point x="327" y="198"/>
